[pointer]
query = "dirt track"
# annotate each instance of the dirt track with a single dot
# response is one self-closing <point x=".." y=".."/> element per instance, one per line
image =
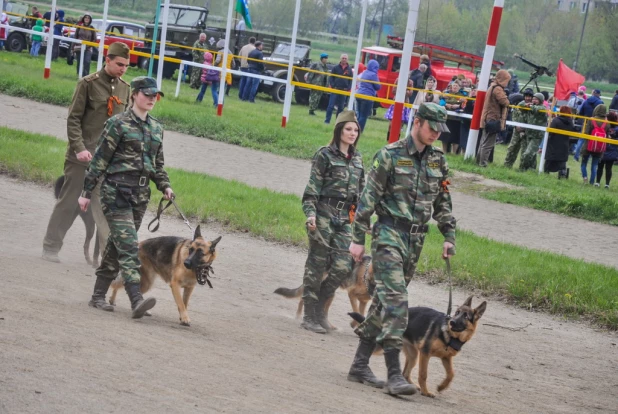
<point x="512" y="224"/>
<point x="244" y="351"/>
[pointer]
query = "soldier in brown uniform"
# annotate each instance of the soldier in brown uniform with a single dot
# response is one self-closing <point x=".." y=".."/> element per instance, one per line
<point x="97" y="97"/>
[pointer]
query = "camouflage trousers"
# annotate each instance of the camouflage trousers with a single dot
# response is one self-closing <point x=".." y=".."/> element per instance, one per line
<point x="337" y="232"/>
<point x="395" y="255"/>
<point x="124" y="209"/>
<point x="196" y="74"/>
<point x="518" y="144"/>
<point x="314" y="99"/>
<point x="528" y="158"/>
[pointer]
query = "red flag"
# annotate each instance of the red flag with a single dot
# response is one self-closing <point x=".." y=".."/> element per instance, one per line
<point x="567" y="81"/>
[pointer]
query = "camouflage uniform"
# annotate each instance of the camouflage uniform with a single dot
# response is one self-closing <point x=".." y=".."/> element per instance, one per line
<point x="535" y="117"/>
<point x="128" y="150"/>
<point x="318" y="79"/>
<point x="403" y="186"/>
<point x="198" y="57"/>
<point x="519" y="141"/>
<point x="334" y="184"/>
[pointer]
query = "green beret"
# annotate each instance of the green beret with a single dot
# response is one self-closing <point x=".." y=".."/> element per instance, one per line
<point x="119" y="49"/>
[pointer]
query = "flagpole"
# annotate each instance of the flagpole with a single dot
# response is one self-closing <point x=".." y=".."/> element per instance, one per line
<point x="359" y="46"/>
<point x="166" y="12"/>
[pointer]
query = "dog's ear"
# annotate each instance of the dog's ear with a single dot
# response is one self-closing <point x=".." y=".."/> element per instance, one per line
<point x="480" y="310"/>
<point x="197" y="233"/>
<point x="213" y="244"/>
<point x="468" y="302"/>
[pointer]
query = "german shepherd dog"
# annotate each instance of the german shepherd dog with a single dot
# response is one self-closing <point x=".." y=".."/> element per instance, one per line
<point x="88" y="220"/>
<point x="356" y="285"/>
<point x="180" y="262"/>
<point x="431" y="334"/>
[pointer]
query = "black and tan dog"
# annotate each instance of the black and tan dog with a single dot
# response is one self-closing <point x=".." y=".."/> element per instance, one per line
<point x="88" y="220"/>
<point x="180" y="262"/>
<point x="355" y="284"/>
<point x="431" y="334"/>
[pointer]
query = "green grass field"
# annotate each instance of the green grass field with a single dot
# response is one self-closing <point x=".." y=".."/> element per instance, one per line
<point x="554" y="283"/>
<point x="258" y="126"/>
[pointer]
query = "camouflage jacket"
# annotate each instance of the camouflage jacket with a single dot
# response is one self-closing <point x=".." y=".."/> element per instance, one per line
<point x="198" y="51"/>
<point x="405" y="184"/>
<point x="536" y="117"/>
<point x="520" y="115"/>
<point x="128" y="144"/>
<point x="333" y="175"/>
<point x="318" y="78"/>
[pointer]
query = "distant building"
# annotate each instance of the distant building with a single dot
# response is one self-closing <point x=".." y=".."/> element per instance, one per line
<point x="581" y="5"/>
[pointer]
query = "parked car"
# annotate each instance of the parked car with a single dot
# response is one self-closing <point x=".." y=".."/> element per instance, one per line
<point x="129" y="33"/>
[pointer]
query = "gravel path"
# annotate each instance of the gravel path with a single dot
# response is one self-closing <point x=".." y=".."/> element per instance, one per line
<point x="244" y="352"/>
<point x="512" y="224"/>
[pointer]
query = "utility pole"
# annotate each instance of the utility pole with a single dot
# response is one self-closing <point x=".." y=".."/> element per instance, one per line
<point x="581" y="37"/>
<point x="381" y="24"/>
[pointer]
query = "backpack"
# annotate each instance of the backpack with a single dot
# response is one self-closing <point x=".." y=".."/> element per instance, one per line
<point x="597" y="131"/>
<point x="212" y="75"/>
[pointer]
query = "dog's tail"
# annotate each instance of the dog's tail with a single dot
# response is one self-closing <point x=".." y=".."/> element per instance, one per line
<point x="357" y="317"/>
<point x="58" y="186"/>
<point x="290" y="293"/>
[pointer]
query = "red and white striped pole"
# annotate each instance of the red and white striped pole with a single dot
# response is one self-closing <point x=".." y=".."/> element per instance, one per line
<point x="402" y="82"/>
<point x="50" y="41"/>
<point x="488" y="57"/>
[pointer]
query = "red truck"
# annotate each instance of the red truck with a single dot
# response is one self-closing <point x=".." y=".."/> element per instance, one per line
<point x="389" y="59"/>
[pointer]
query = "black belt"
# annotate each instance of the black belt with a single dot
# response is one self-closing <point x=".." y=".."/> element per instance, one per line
<point x="402" y="225"/>
<point x="338" y="203"/>
<point x="128" y="179"/>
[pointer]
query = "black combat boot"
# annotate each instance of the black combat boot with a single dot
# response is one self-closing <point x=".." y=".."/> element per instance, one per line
<point x="311" y="112"/>
<point x="396" y="384"/>
<point x="139" y="305"/>
<point x="360" y="371"/>
<point x="98" y="296"/>
<point x="309" y="321"/>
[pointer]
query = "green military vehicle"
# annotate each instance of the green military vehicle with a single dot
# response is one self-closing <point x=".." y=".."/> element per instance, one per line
<point x="184" y="25"/>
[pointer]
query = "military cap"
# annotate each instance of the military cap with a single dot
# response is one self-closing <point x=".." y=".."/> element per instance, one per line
<point x="147" y="85"/>
<point x="119" y="49"/>
<point x="323" y="55"/>
<point x="346" y="116"/>
<point x="435" y="114"/>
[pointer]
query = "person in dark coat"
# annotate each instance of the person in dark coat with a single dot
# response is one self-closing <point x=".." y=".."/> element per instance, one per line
<point x="557" y="153"/>
<point x="610" y="156"/>
<point x="614" y="105"/>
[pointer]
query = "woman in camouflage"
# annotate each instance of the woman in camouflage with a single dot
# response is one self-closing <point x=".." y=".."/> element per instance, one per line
<point x="129" y="154"/>
<point x="336" y="181"/>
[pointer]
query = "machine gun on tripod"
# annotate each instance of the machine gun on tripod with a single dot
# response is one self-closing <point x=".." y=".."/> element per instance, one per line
<point x="538" y="71"/>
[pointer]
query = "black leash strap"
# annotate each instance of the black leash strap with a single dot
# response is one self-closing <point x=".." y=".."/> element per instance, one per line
<point x="450" y="288"/>
<point x="160" y="211"/>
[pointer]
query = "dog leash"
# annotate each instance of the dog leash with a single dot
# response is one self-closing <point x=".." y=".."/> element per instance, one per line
<point x="160" y="211"/>
<point x="450" y="288"/>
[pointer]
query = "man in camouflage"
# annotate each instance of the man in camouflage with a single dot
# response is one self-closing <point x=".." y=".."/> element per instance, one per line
<point x="336" y="181"/>
<point x="199" y="47"/>
<point x="408" y="180"/>
<point x="97" y="97"/>
<point x="537" y="115"/>
<point x="129" y="154"/>
<point x="318" y="78"/>
<point x="519" y="141"/>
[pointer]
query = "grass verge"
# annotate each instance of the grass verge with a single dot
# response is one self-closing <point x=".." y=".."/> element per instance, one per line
<point x="257" y="126"/>
<point x="529" y="278"/>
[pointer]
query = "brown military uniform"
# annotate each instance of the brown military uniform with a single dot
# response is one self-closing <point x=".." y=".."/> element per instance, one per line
<point x="96" y="98"/>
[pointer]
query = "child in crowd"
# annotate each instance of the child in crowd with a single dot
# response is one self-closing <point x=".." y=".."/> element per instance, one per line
<point x="209" y="77"/>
